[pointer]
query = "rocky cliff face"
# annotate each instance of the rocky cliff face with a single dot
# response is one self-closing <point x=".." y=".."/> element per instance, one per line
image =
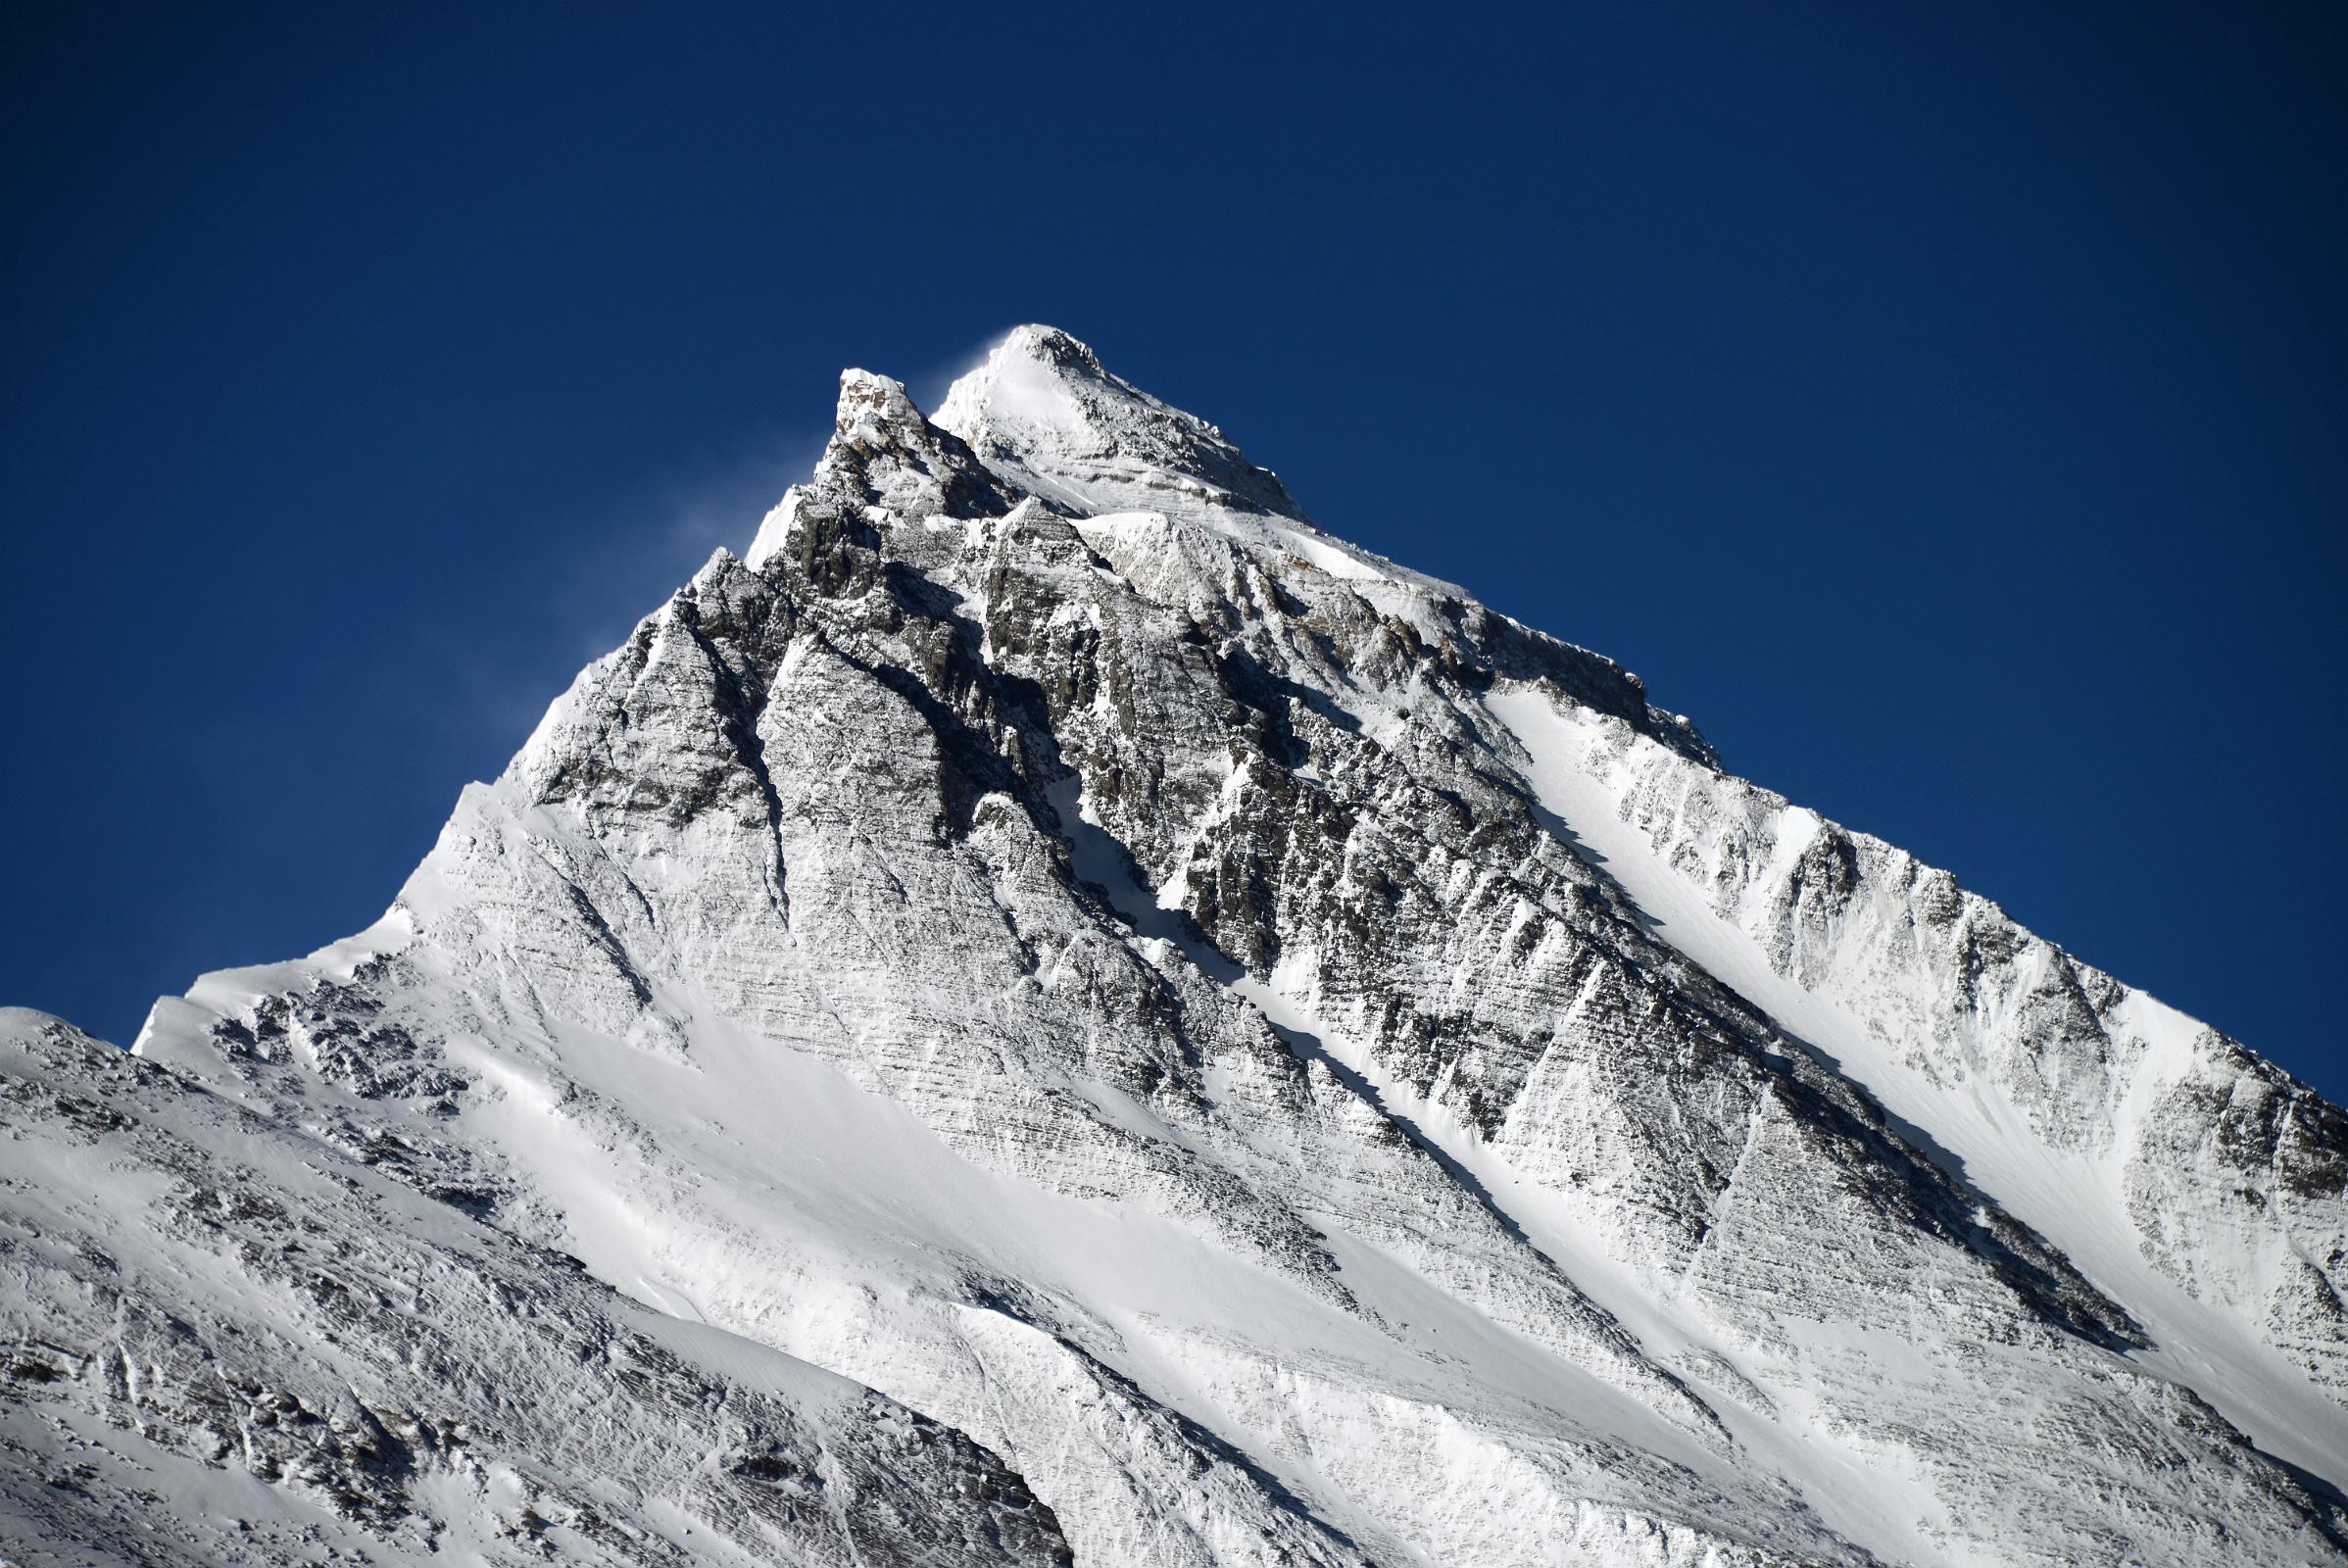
<point x="1271" y="1060"/>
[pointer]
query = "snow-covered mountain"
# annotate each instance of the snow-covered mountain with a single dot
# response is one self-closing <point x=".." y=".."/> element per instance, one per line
<point x="1055" y="1008"/>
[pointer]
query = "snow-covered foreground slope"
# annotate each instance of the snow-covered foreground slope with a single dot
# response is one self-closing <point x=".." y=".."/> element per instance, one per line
<point x="226" y="1342"/>
<point x="1277" y="1062"/>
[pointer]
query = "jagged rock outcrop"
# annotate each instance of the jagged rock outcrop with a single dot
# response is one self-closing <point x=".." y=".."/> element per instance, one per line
<point x="1276" y="1063"/>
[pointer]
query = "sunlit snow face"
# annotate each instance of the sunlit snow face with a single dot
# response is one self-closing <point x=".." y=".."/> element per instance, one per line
<point x="1023" y="390"/>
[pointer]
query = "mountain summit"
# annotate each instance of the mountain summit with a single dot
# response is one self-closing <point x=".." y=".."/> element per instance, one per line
<point x="1054" y="1010"/>
<point x="1043" y="408"/>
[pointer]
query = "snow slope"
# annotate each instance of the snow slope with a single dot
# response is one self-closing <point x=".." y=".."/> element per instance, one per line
<point x="2073" y="1191"/>
<point x="224" y="1343"/>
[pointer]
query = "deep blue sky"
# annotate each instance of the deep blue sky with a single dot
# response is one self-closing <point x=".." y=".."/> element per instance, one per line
<point x="1946" y="410"/>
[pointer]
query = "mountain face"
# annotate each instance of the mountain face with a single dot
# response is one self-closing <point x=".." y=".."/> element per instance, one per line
<point x="1055" y="1010"/>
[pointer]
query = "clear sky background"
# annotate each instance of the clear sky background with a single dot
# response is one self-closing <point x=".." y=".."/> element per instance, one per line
<point x="1946" y="410"/>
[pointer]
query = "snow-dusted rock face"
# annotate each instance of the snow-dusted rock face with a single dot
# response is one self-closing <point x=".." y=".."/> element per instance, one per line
<point x="1273" y="1061"/>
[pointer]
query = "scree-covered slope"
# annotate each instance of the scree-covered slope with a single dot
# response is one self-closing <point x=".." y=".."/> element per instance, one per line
<point x="1054" y="1007"/>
